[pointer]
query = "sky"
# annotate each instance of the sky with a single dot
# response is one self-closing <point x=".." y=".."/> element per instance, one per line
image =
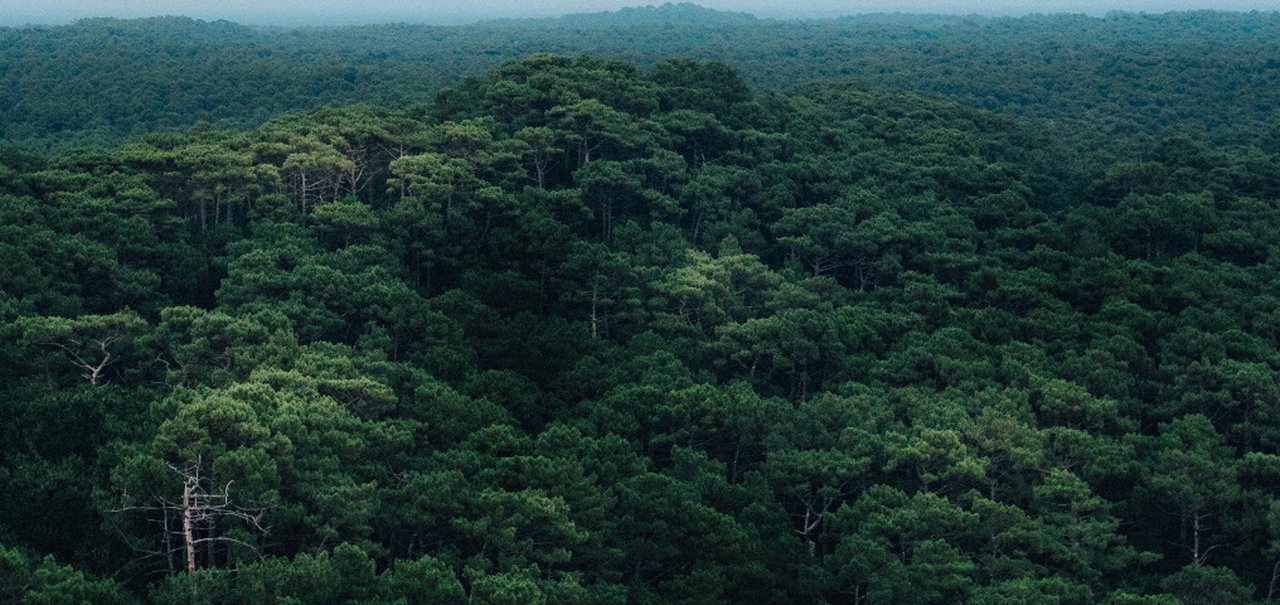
<point x="329" y="12"/>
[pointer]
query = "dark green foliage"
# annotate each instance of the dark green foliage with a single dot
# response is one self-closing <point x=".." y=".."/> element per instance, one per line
<point x="1119" y="82"/>
<point x="582" y="332"/>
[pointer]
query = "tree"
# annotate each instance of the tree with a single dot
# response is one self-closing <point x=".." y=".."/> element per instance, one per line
<point x="205" y="481"/>
<point x="200" y="510"/>
<point x="1082" y="534"/>
<point x="592" y="127"/>
<point x="90" y="343"/>
<point x="601" y="280"/>
<point x="316" y="170"/>
<point x="1193" y="475"/>
<point x="541" y="150"/>
<point x="24" y="579"/>
<point x="895" y="548"/>
<point x="1210" y="585"/>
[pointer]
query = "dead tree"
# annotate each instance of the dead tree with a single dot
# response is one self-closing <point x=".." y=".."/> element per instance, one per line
<point x="92" y="368"/>
<point x="192" y="521"/>
<point x="90" y="342"/>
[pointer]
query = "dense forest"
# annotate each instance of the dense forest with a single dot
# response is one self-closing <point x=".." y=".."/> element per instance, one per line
<point x="1131" y="79"/>
<point x="587" y="330"/>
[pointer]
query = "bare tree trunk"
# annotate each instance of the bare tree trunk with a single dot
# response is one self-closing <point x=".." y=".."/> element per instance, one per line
<point x="201" y="512"/>
<point x="595" y="296"/>
<point x="211" y="551"/>
<point x="92" y="371"/>
<point x="1195" y="539"/>
<point x="168" y="543"/>
<point x="188" y="536"/>
<point x="540" y="167"/>
<point x="1275" y="573"/>
<point x="302" y="174"/>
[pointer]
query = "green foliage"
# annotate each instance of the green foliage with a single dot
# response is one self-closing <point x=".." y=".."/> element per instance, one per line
<point x="43" y="581"/>
<point x="1127" y="79"/>
<point x="579" y="332"/>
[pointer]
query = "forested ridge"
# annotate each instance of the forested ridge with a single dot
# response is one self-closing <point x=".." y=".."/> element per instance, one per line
<point x="582" y="332"/>
<point x="1121" y="82"/>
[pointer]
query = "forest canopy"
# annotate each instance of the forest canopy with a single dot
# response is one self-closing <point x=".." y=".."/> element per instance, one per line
<point x="1128" y="80"/>
<point x="582" y="330"/>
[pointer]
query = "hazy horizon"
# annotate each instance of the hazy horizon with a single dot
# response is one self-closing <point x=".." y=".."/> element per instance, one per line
<point x="335" y="12"/>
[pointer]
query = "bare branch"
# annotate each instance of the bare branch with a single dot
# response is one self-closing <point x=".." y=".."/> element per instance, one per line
<point x="199" y="510"/>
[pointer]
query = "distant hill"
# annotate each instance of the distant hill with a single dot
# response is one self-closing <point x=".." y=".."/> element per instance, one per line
<point x="684" y="13"/>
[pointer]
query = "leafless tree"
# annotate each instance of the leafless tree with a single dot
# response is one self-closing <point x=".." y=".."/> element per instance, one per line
<point x="91" y="367"/>
<point x="191" y="522"/>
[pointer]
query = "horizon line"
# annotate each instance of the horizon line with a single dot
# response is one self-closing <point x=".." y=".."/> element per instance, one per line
<point x="462" y="19"/>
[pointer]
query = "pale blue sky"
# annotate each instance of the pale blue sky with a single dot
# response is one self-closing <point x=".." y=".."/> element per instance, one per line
<point x="292" y="12"/>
